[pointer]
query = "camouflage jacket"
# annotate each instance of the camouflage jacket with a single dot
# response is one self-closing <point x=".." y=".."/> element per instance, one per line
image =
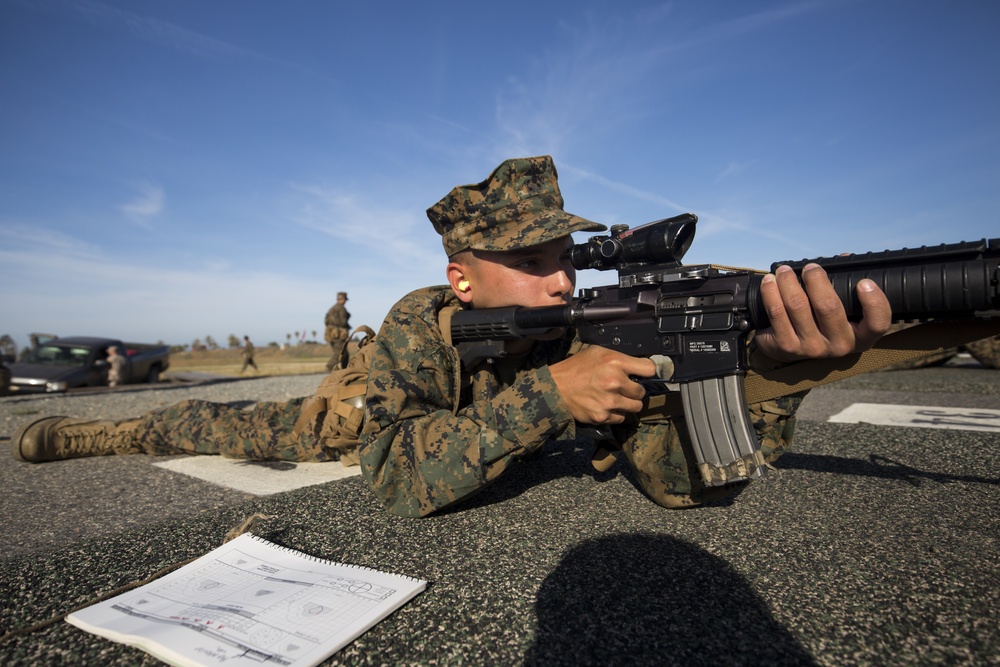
<point x="434" y="435"/>
<point x="337" y="316"/>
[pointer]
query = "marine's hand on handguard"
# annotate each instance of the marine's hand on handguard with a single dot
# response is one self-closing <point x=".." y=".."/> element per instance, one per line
<point x="597" y="387"/>
<point x="808" y="319"/>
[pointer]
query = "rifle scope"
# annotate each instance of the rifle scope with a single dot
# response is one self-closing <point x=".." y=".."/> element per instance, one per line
<point x="660" y="242"/>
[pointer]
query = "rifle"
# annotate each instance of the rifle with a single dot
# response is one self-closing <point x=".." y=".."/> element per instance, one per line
<point x="702" y="316"/>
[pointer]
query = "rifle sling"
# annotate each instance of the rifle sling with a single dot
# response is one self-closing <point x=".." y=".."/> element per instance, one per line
<point x="905" y="345"/>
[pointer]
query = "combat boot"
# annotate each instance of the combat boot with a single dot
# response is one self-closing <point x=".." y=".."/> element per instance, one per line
<point x="58" y="438"/>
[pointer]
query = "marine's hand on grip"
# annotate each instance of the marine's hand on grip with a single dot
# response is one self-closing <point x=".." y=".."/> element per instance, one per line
<point x="808" y="319"/>
<point x="597" y="387"/>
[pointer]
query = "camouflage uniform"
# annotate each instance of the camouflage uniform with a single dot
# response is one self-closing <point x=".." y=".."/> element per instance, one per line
<point x="202" y="427"/>
<point x="337" y="331"/>
<point x="436" y="433"/>
<point x="986" y="351"/>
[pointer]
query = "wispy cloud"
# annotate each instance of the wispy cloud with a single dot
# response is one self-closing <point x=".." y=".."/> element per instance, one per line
<point x="734" y="169"/>
<point x="153" y="30"/>
<point x="180" y="38"/>
<point x="157" y="31"/>
<point x="605" y="73"/>
<point x="765" y="19"/>
<point x="149" y="202"/>
<point x="710" y="224"/>
<point x="586" y="80"/>
<point x="396" y="235"/>
<point x="624" y="188"/>
<point x="55" y="283"/>
<point x="19" y="236"/>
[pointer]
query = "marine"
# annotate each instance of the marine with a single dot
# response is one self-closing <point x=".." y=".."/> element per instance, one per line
<point x="435" y="433"/>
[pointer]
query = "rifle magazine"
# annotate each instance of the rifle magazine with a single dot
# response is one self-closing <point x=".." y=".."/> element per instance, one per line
<point x="723" y="438"/>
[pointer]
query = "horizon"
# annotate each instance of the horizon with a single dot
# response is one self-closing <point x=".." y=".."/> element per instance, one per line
<point x="176" y="169"/>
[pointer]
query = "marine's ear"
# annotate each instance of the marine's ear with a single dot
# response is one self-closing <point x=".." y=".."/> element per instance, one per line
<point x="459" y="281"/>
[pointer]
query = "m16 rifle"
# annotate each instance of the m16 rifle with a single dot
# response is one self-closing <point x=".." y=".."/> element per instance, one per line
<point x="702" y="316"/>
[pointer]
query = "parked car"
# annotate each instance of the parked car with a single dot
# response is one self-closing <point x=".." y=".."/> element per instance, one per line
<point x="57" y="364"/>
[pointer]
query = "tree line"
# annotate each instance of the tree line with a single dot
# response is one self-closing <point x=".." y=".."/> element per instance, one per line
<point x="208" y="343"/>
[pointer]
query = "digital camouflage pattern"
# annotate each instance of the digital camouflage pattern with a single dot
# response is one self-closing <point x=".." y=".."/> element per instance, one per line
<point x="337" y="323"/>
<point x="517" y="206"/>
<point x="435" y="434"/>
<point x="660" y="453"/>
<point x="986" y="351"/>
<point x="262" y="433"/>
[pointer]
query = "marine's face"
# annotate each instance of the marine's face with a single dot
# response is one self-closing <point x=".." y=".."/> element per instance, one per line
<point x="540" y="275"/>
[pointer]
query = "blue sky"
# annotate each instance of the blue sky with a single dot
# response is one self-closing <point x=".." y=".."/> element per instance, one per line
<point x="181" y="168"/>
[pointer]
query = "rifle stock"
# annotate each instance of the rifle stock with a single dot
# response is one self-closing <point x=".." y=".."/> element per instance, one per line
<point x="702" y="316"/>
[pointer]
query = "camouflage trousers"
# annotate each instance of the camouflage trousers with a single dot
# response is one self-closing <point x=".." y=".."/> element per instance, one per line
<point x="262" y="433"/>
<point x="660" y="453"/>
<point x="658" y="450"/>
<point x="986" y="351"/>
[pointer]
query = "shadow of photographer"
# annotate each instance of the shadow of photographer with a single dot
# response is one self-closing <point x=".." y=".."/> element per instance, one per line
<point x="654" y="600"/>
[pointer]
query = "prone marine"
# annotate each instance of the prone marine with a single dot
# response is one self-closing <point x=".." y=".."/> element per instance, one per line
<point x="435" y="432"/>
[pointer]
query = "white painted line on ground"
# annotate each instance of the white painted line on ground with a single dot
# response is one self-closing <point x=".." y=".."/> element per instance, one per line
<point x="920" y="416"/>
<point x="260" y="479"/>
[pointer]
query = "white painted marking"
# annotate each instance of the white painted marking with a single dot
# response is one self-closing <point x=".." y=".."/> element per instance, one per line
<point x="920" y="416"/>
<point x="260" y="479"/>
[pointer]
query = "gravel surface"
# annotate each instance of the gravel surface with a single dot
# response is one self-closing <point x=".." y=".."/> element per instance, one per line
<point x="867" y="545"/>
<point x="54" y="504"/>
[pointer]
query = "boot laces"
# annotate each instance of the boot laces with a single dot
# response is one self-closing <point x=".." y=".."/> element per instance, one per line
<point x="84" y="440"/>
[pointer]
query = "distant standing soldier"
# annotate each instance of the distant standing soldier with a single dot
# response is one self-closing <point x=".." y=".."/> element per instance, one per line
<point x="116" y="367"/>
<point x="337" y="330"/>
<point x="248" y="355"/>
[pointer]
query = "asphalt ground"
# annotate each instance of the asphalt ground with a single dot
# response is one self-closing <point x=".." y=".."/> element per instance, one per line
<point x="868" y="545"/>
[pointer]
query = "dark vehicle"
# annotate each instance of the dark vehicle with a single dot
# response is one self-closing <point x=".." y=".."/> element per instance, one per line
<point x="58" y="364"/>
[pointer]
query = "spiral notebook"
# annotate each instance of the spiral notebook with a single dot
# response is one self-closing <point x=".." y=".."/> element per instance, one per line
<point x="250" y="602"/>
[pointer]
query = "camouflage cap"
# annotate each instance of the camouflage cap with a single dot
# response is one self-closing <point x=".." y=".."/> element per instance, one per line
<point x="517" y="206"/>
